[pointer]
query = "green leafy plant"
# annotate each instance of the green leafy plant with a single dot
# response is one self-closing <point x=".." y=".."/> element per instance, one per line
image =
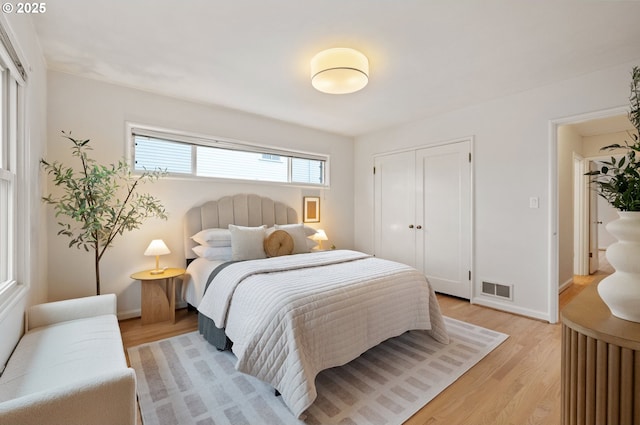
<point x="99" y="202"/>
<point x="618" y="180"/>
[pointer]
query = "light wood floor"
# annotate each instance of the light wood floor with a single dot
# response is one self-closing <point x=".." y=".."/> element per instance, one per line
<point x="516" y="384"/>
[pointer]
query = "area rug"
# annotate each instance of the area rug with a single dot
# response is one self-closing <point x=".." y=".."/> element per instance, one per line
<point x="185" y="380"/>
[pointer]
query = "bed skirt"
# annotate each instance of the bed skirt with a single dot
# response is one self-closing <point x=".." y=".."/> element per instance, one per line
<point x="213" y="334"/>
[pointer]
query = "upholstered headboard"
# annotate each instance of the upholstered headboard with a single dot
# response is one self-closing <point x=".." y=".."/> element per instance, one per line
<point x="242" y="210"/>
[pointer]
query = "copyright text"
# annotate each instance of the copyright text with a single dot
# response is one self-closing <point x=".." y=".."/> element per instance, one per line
<point x="24" y="8"/>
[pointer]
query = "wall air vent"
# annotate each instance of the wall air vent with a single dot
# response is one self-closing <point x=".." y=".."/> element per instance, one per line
<point x="497" y="290"/>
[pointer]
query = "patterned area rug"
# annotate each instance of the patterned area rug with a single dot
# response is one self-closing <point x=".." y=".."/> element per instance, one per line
<point x="185" y="380"/>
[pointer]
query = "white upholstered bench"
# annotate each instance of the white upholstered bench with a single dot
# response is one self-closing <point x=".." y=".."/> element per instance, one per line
<point x="69" y="367"/>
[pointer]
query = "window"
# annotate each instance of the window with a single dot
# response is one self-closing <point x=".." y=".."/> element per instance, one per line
<point x="182" y="154"/>
<point x="11" y="77"/>
<point x="7" y="184"/>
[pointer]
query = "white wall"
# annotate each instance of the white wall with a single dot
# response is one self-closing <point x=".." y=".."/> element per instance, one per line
<point x="569" y="141"/>
<point x="512" y="163"/>
<point x="98" y="111"/>
<point x="32" y="241"/>
<point x="591" y="144"/>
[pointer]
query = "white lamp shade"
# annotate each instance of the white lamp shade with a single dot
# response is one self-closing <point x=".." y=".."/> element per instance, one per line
<point x="157" y="247"/>
<point x="339" y="71"/>
<point x="320" y="235"/>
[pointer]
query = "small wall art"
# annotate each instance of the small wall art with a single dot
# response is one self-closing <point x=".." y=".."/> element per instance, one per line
<point x="311" y="209"/>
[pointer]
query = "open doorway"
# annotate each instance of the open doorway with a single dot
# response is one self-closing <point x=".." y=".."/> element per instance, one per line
<point x="591" y="214"/>
<point x="582" y="215"/>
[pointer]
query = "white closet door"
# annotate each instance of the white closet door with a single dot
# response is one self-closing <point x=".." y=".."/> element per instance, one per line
<point x="394" y="207"/>
<point x="443" y="211"/>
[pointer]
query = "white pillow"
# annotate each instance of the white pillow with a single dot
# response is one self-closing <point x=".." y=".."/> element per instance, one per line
<point x="297" y="232"/>
<point x="220" y="253"/>
<point x="247" y="243"/>
<point x="213" y="237"/>
<point x="311" y="244"/>
<point x="309" y="231"/>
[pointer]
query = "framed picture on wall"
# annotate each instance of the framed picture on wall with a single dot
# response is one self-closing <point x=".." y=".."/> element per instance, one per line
<point x="311" y="209"/>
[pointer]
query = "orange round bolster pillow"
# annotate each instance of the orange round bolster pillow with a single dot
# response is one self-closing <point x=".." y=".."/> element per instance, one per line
<point x="278" y="243"/>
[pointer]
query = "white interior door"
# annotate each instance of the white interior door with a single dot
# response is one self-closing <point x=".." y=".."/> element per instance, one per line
<point x="394" y="207"/>
<point x="594" y="263"/>
<point x="606" y="214"/>
<point x="580" y="216"/>
<point x="443" y="246"/>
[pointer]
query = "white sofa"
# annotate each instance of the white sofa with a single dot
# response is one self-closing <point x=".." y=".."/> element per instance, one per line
<point x="69" y="367"/>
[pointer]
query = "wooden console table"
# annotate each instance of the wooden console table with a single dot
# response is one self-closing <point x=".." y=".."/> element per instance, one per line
<point x="600" y="364"/>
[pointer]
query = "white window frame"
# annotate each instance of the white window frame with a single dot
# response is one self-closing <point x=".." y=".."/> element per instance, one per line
<point x="13" y="165"/>
<point x="133" y="129"/>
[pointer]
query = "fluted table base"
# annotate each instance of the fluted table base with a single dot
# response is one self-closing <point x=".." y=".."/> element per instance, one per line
<point x="600" y="381"/>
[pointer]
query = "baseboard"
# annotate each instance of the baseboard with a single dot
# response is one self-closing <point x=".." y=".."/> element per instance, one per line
<point x="563" y="286"/>
<point x="132" y="314"/>
<point x="491" y="303"/>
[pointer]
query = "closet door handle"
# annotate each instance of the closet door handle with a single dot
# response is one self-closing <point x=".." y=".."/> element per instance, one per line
<point x="411" y="226"/>
<point x="418" y="227"/>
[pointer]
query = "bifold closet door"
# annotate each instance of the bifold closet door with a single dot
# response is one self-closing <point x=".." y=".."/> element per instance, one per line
<point x="422" y="213"/>
<point x="394" y="207"/>
<point x="443" y="210"/>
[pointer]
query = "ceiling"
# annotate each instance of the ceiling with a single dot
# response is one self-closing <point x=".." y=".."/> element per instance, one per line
<point x="426" y="56"/>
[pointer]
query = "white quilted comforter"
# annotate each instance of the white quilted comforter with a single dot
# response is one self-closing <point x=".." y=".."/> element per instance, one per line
<point x="291" y="317"/>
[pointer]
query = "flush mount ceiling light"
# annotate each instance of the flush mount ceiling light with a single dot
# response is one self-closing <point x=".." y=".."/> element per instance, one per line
<point x="339" y="71"/>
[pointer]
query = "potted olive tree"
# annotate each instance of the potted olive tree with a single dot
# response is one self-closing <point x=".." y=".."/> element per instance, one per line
<point x="618" y="181"/>
<point x="96" y="202"/>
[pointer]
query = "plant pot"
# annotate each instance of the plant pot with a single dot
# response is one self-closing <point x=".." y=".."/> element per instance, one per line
<point x="621" y="290"/>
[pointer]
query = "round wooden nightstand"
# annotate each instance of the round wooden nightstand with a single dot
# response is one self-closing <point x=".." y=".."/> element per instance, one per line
<point x="158" y="303"/>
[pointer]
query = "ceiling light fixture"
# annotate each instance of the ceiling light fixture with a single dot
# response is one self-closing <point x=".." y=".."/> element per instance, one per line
<point x="339" y="71"/>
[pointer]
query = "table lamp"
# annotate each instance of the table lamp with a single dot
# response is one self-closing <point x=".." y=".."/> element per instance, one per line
<point x="157" y="247"/>
<point x="320" y="236"/>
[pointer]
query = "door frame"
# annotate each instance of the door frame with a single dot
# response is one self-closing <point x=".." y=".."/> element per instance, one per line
<point x="552" y="272"/>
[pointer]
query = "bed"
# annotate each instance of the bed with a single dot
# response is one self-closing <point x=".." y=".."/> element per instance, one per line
<point x="288" y="317"/>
